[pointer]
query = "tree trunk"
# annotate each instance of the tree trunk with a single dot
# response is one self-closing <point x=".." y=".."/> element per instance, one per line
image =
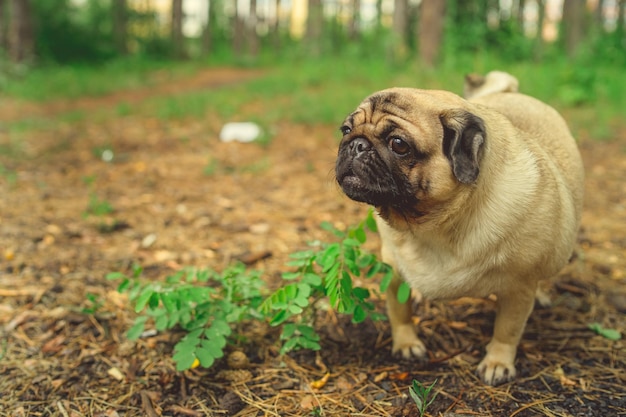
<point x="379" y="15"/>
<point x="3" y="27"/>
<point x="314" y="26"/>
<point x="238" y="35"/>
<point x="572" y="24"/>
<point x="599" y="16"/>
<point x="253" y="38"/>
<point x="521" y="21"/>
<point x="353" y="29"/>
<point x="276" y="27"/>
<point x="120" y="26"/>
<point x="20" y="39"/>
<point x="178" y="48"/>
<point x="539" y="41"/>
<point x="400" y="25"/>
<point x="621" y="5"/>
<point x="207" y="35"/>
<point x="431" y="25"/>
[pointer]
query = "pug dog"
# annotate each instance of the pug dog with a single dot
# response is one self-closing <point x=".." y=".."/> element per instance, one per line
<point x="472" y="198"/>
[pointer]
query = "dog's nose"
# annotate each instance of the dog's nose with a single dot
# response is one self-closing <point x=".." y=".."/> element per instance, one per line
<point x="359" y="145"/>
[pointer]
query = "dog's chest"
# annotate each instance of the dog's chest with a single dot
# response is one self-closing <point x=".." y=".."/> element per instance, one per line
<point x="438" y="273"/>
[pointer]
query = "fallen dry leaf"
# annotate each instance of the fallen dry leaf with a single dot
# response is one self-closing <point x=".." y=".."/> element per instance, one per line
<point x="320" y="383"/>
<point x="116" y="373"/>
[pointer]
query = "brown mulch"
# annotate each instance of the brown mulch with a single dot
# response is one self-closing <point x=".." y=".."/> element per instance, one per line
<point x="260" y="203"/>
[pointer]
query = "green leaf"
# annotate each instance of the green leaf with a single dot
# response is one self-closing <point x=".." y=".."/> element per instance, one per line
<point x="289" y="345"/>
<point x="114" y="275"/>
<point x="366" y="260"/>
<point x="374" y="269"/>
<point x="350" y="242"/>
<point x="153" y="301"/>
<point x="308" y="343"/>
<point x="210" y="347"/>
<point x="361" y="293"/>
<point x="312" y="279"/>
<point x="610" y="334"/>
<point x="359" y="314"/>
<point x="384" y="283"/>
<point x="305" y="254"/>
<point x="288" y="330"/>
<point x="160" y="322"/>
<point x="123" y="285"/>
<point x="404" y="292"/>
<point x="205" y="357"/>
<point x="290" y="275"/>
<point x="327" y="226"/>
<point x="370" y="222"/>
<point x="137" y="328"/>
<point x="143" y="299"/>
<point x="360" y="235"/>
<point x="295" y="309"/>
<point x="221" y="327"/>
<point x="308" y="332"/>
<point x="280" y="317"/>
<point x="184" y="358"/>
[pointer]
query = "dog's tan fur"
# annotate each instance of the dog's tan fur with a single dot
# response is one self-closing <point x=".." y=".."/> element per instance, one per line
<point x="515" y="224"/>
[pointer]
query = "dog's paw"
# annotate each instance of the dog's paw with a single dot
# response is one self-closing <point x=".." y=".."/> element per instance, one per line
<point x="494" y="372"/>
<point x="497" y="366"/>
<point x="406" y="343"/>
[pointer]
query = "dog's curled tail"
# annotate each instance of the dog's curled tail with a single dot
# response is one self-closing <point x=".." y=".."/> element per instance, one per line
<point x="477" y="85"/>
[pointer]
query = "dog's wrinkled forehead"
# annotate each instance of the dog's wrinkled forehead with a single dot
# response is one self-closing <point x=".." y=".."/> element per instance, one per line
<point x="379" y="104"/>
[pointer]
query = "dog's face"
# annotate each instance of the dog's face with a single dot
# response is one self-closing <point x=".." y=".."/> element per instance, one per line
<point x="407" y="151"/>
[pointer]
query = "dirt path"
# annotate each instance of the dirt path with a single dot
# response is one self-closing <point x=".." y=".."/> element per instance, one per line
<point x="181" y="198"/>
<point x="161" y="84"/>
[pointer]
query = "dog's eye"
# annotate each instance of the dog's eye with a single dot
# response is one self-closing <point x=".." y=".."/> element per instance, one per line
<point x="399" y="146"/>
<point x="345" y="129"/>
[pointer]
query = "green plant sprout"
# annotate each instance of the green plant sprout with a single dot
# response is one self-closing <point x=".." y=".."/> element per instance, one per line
<point x="421" y="395"/>
<point x="203" y="303"/>
<point x="208" y="305"/>
<point x="326" y="270"/>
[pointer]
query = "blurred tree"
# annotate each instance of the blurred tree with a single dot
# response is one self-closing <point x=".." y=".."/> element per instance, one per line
<point x="431" y="28"/>
<point x="599" y="16"/>
<point x="120" y="26"/>
<point x="314" y="26"/>
<point x="572" y="24"/>
<point x="275" y="28"/>
<point x="539" y="41"/>
<point x="207" y="30"/>
<point x="238" y="26"/>
<point x="521" y="19"/>
<point x="619" y="29"/>
<point x="353" y="29"/>
<point x="178" y="47"/>
<point x="3" y="25"/>
<point x="400" y="26"/>
<point x="253" y="37"/>
<point x="20" y="40"/>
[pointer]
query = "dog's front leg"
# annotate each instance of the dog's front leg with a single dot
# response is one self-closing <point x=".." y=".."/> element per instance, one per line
<point x="512" y="311"/>
<point x="403" y="333"/>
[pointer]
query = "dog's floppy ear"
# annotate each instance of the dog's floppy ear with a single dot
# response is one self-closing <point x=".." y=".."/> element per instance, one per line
<point x="463" y="139"/>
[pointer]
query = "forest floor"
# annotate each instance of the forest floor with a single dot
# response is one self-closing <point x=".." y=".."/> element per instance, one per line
<point x="183" y="198"/>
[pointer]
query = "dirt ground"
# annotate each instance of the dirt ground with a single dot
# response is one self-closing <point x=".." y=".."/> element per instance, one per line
<point x="182" y="198"/>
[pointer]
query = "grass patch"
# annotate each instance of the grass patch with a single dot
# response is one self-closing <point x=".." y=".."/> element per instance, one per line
<point x="322" y="91"/>
<point x="66" y="82"/>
